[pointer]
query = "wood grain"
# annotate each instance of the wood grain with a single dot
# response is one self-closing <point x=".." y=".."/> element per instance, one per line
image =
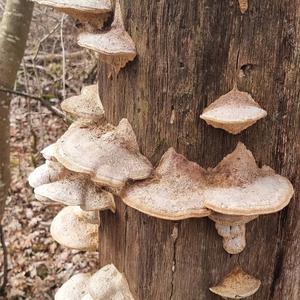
<point x="190" y="53"/>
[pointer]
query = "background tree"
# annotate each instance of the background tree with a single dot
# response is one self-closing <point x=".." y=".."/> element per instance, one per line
<point x="190" y="53"/>
<point x="14" y="30"/>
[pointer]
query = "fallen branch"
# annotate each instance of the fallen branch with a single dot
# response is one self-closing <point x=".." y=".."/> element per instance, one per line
<point x="54" y="57"/>
<point x="44" y="102"/>
<point x="5" y="262"/>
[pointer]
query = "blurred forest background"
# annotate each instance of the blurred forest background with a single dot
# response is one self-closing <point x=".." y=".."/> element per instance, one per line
<point x="53" y="68"/>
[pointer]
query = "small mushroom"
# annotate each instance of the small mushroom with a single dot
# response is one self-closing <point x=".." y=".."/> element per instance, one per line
<point x="233" y="112"/>
<point x="93" y="12"/>
<point x="109" y="283"/>
<point x="75" y="288"/>
<point x="110" y="155"/>
<point x="241" y="190"/>
<point x="86" y="107"/>
<point x="76" y="229"/>
<point x="77" y="189"/>
<point x="115" y="46"/>
<point x="237" y="285"/>
<point x="174" y="192"/>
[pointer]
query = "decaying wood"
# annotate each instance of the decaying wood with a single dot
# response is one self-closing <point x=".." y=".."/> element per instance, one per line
<point x="189" y="53"/>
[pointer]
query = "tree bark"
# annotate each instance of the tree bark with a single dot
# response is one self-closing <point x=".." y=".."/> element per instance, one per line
<point x="189" y="54"/>
<point x="14" y="30"/>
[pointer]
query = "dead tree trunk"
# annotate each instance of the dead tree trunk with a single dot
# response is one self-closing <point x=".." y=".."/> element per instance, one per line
<point x="190" y="53"/>
<point x="14" y="30"/>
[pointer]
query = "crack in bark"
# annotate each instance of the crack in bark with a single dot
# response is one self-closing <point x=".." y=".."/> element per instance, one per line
<point x="174" y="236"/>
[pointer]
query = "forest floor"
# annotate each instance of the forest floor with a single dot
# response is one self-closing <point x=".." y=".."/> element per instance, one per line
<point x="37" y="264"/>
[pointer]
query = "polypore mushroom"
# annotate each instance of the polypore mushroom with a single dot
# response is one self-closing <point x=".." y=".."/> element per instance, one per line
<point x="233" y="112"/>
<point x="109" y="283"/>
<point x="237" y="285"/>
<point x="75" y="288"/>
<point x="77" y="189"/>
<point x="174" y="192"/>
<point x="110" y="155"/>
<point x="241" y="190"/>
<point x="49" y="152"/>
<point x="86" y="107"/>
<point x="76" y="229"/>
<point x="93" y="12"/>
<point x="87" y="297"/>
<point x="114" y="46"/>
<point x="44" y="174"/>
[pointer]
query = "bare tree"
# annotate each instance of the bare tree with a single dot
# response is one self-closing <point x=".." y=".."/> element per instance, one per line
<point x="14" y="30"/>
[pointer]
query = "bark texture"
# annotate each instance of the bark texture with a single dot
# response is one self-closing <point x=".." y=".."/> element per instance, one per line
<point x="190" y="53"/>
<point x="14" y="30"/>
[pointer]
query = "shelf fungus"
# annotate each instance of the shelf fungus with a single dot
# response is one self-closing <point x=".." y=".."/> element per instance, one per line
<point x="86" y="107"/>
<point x="237" y="285"/>
<point x="174" y="192"/>
<point x="75" y="288"/>
<point x="46" y="173"/>
<point x="110" y="155"/>
<point x="76" y="229"/>
<point x="239" y="191"/>
<point x="109" y="283"/>
<point x="233" y="112"/>
<point x="75" y="189"/>
<point x="93" y="12"/>
<point x="113" y="46"/>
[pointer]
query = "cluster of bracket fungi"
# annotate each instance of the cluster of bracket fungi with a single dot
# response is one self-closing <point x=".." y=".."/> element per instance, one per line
<point x="231" y="194"/>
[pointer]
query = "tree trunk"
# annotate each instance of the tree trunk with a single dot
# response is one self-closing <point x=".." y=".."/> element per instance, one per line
<point x="190" y="53"/>
<point x="14" y="30"/>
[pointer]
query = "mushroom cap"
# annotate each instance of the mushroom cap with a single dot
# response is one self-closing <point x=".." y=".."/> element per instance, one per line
<point x="49" y="152"/>
<point x="109" y="283"/>
<point x="175" y="192"/>
<point x="94" y="12"/>
<point x="231" y="220"/>
<point x="109" y="155"/>
<point x="114" y="46"/>
<point x="44" y="174"/>
<point x="233" y="112"/>
<point x="239" y="187"/>
<point x="72" y="228"/>
<point x="77" y="189"/>
<point x="237" y="285"/>
<point x="93" y="6"/>
<point x="75" y="288"/>
<point x="86" y="106"/>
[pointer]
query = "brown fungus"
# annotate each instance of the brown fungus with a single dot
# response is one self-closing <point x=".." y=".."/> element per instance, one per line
<point x="85" y="107"/>
<point x="233" y="112"/>
<point x="110" y="155"/>
<point x="113" y="46"/>
<point x="237" y="285"/>
<point x="109" y="283"/>
<point x="174" y="192"/>
<point x="76" y="229"/>
<point x="75" y="288"/>
<point x="241" y="191"/>
<point x="93" y="12"/>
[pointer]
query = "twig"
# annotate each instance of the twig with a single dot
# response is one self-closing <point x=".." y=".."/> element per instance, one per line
<point x="53" y="109"/>
<point x="63" y="55"/>
<point x="5" y="262"/>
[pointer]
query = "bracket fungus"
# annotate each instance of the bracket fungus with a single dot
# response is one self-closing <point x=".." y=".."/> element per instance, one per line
<point x="109" y="283"/>
<point x="241" y="190"/>
<point x="75" y="288"/>
<point x="93" y="12"/>
<point x="110" y="155"/>
<point x="114" y="46"/>
<point x="233" y="112"/>
<point x="237" y="285"/>
<point x="174" y="192"/>
<point x="76" y="229"/>
<point x="79" y="190"/>
<point x="86" y="107"/>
